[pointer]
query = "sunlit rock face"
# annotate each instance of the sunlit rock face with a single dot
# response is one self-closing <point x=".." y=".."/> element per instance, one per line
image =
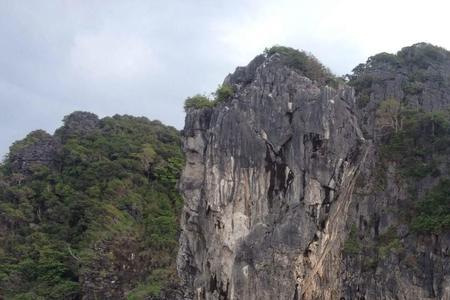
<point x="268" y="180"/>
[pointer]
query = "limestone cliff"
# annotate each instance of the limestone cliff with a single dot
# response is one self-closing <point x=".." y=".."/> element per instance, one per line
<point x="281" y="189"/>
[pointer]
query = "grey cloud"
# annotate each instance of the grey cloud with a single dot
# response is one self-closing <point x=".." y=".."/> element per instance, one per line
<point x="144" y="57"/>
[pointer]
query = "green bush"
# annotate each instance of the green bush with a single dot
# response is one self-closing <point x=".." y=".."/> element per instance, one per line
<point x="423" y="54"/>
<point x="362" y="100"/>
<point x="417" y="148"/>
<point x="389" y="243"/>
<point x="304" y="62"/>
<point x="384" y="57"/>
<point x="351" y="245"/>
<point x="30" y="139"/>
<point x="153" y="284"/>
<point x="145" y="290"/>
<point x="412" y="87"/>
<point x="197" y="102"/>
<point x="421" y="137"/>
<point x="224" y="92"/>
<point x="434" y="210"/>
<point x="421" y="62"/>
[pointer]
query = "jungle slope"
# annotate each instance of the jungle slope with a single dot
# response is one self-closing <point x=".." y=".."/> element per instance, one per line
<point x="91" y="212"/>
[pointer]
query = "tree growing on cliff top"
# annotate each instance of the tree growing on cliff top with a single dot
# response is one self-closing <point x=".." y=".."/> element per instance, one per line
<point x="223" y="93"/>
<point x="304" y="62"/>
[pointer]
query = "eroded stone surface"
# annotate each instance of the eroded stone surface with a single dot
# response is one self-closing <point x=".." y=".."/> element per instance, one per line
<point x="276" y="178"/>
<point x="268" y="179"/>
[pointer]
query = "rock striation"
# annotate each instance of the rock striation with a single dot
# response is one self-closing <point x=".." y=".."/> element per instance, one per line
<point x="281" y="179"/>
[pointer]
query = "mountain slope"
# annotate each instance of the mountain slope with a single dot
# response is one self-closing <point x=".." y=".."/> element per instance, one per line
<point x="90" y="212"/>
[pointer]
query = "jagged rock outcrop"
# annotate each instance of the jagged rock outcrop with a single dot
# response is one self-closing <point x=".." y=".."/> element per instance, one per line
<point x="280" y="189"/>
<point x="269" y="177"/>
<point x="38" y="148"/>
<point x="418" y="75"/>
<point x="78" y="123"/>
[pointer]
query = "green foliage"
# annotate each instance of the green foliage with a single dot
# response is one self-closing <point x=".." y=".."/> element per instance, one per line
<point x="224" y="92"/>
<point x="433" y="212"/>
<point x="303" y="62"/>
<point x="30" y="139"/>
<point x="420" y="62"/>
<point x="352" y="245"/>
<point x="389" y="116"/>
<point x="144" y="290"/>
<point x="362" y="100"/>
<point x="118" y="181"/>
<point x="197" y="102"/>
<point x="423" y="54"/>
<point x="418" y="142"/>
<point x="389" y="243"/>
<point x="413" y="87"/>
<point x="417" y="148"/>
<point x="369" y="264"/>
<point x="384" y="57"/>
<point x="418" y="57"/>
<point x="153" y="285"/>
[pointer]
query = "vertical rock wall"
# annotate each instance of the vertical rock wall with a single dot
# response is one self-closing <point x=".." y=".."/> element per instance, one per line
<point x="267" y="185"/>
<point x="288" y="194"/>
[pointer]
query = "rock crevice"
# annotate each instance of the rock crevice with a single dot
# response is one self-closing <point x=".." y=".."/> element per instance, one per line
<point x="261" y="176"/>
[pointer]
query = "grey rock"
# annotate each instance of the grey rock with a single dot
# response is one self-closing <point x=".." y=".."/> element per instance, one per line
<point x="276" y="178"/>
<point x="267" y="182"/>
<point x="78" y="123"/>
<point x="38" y="149"/>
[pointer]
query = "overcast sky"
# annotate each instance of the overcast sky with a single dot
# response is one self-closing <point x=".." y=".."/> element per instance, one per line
<point x="145" y="57"/>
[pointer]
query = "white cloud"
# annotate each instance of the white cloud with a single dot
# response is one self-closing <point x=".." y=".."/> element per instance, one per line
<point x="341" y="33"/>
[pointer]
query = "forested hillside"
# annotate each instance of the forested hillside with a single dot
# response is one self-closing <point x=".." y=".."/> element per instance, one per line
<point x="91" y="211"/>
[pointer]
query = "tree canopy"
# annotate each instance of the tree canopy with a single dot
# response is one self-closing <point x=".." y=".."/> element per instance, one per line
<point x="62" y="224"/>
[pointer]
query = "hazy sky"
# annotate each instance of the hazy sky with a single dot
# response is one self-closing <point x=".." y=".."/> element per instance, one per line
<point x="145" y="57"/>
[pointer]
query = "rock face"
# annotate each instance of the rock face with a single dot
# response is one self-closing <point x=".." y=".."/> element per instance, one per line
<point x="41" y="148"/>
<point x="280" y="179"/>
<point x="268" y="180"/>
<point x="38" y="148"/>
<point x="78" y="123"/>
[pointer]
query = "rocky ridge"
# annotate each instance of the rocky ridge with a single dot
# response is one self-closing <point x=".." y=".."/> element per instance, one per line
<point x="281" y="189"/>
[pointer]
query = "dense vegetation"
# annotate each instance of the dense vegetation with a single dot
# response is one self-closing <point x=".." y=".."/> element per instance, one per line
<point x="433" y="212"/>
<point x="198" y="101"/>
<point x="109" y="189"/>
<point x="415" y="66"/>
<point x="352" y="245"/>
<point x="304" y="62"/>
<point x="417" y="142"/>
<point x="223" y="93"/>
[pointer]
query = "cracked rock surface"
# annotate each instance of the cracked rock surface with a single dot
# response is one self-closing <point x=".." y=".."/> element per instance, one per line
<point x="269" y="176"/>
<point x="280" y="178"/>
